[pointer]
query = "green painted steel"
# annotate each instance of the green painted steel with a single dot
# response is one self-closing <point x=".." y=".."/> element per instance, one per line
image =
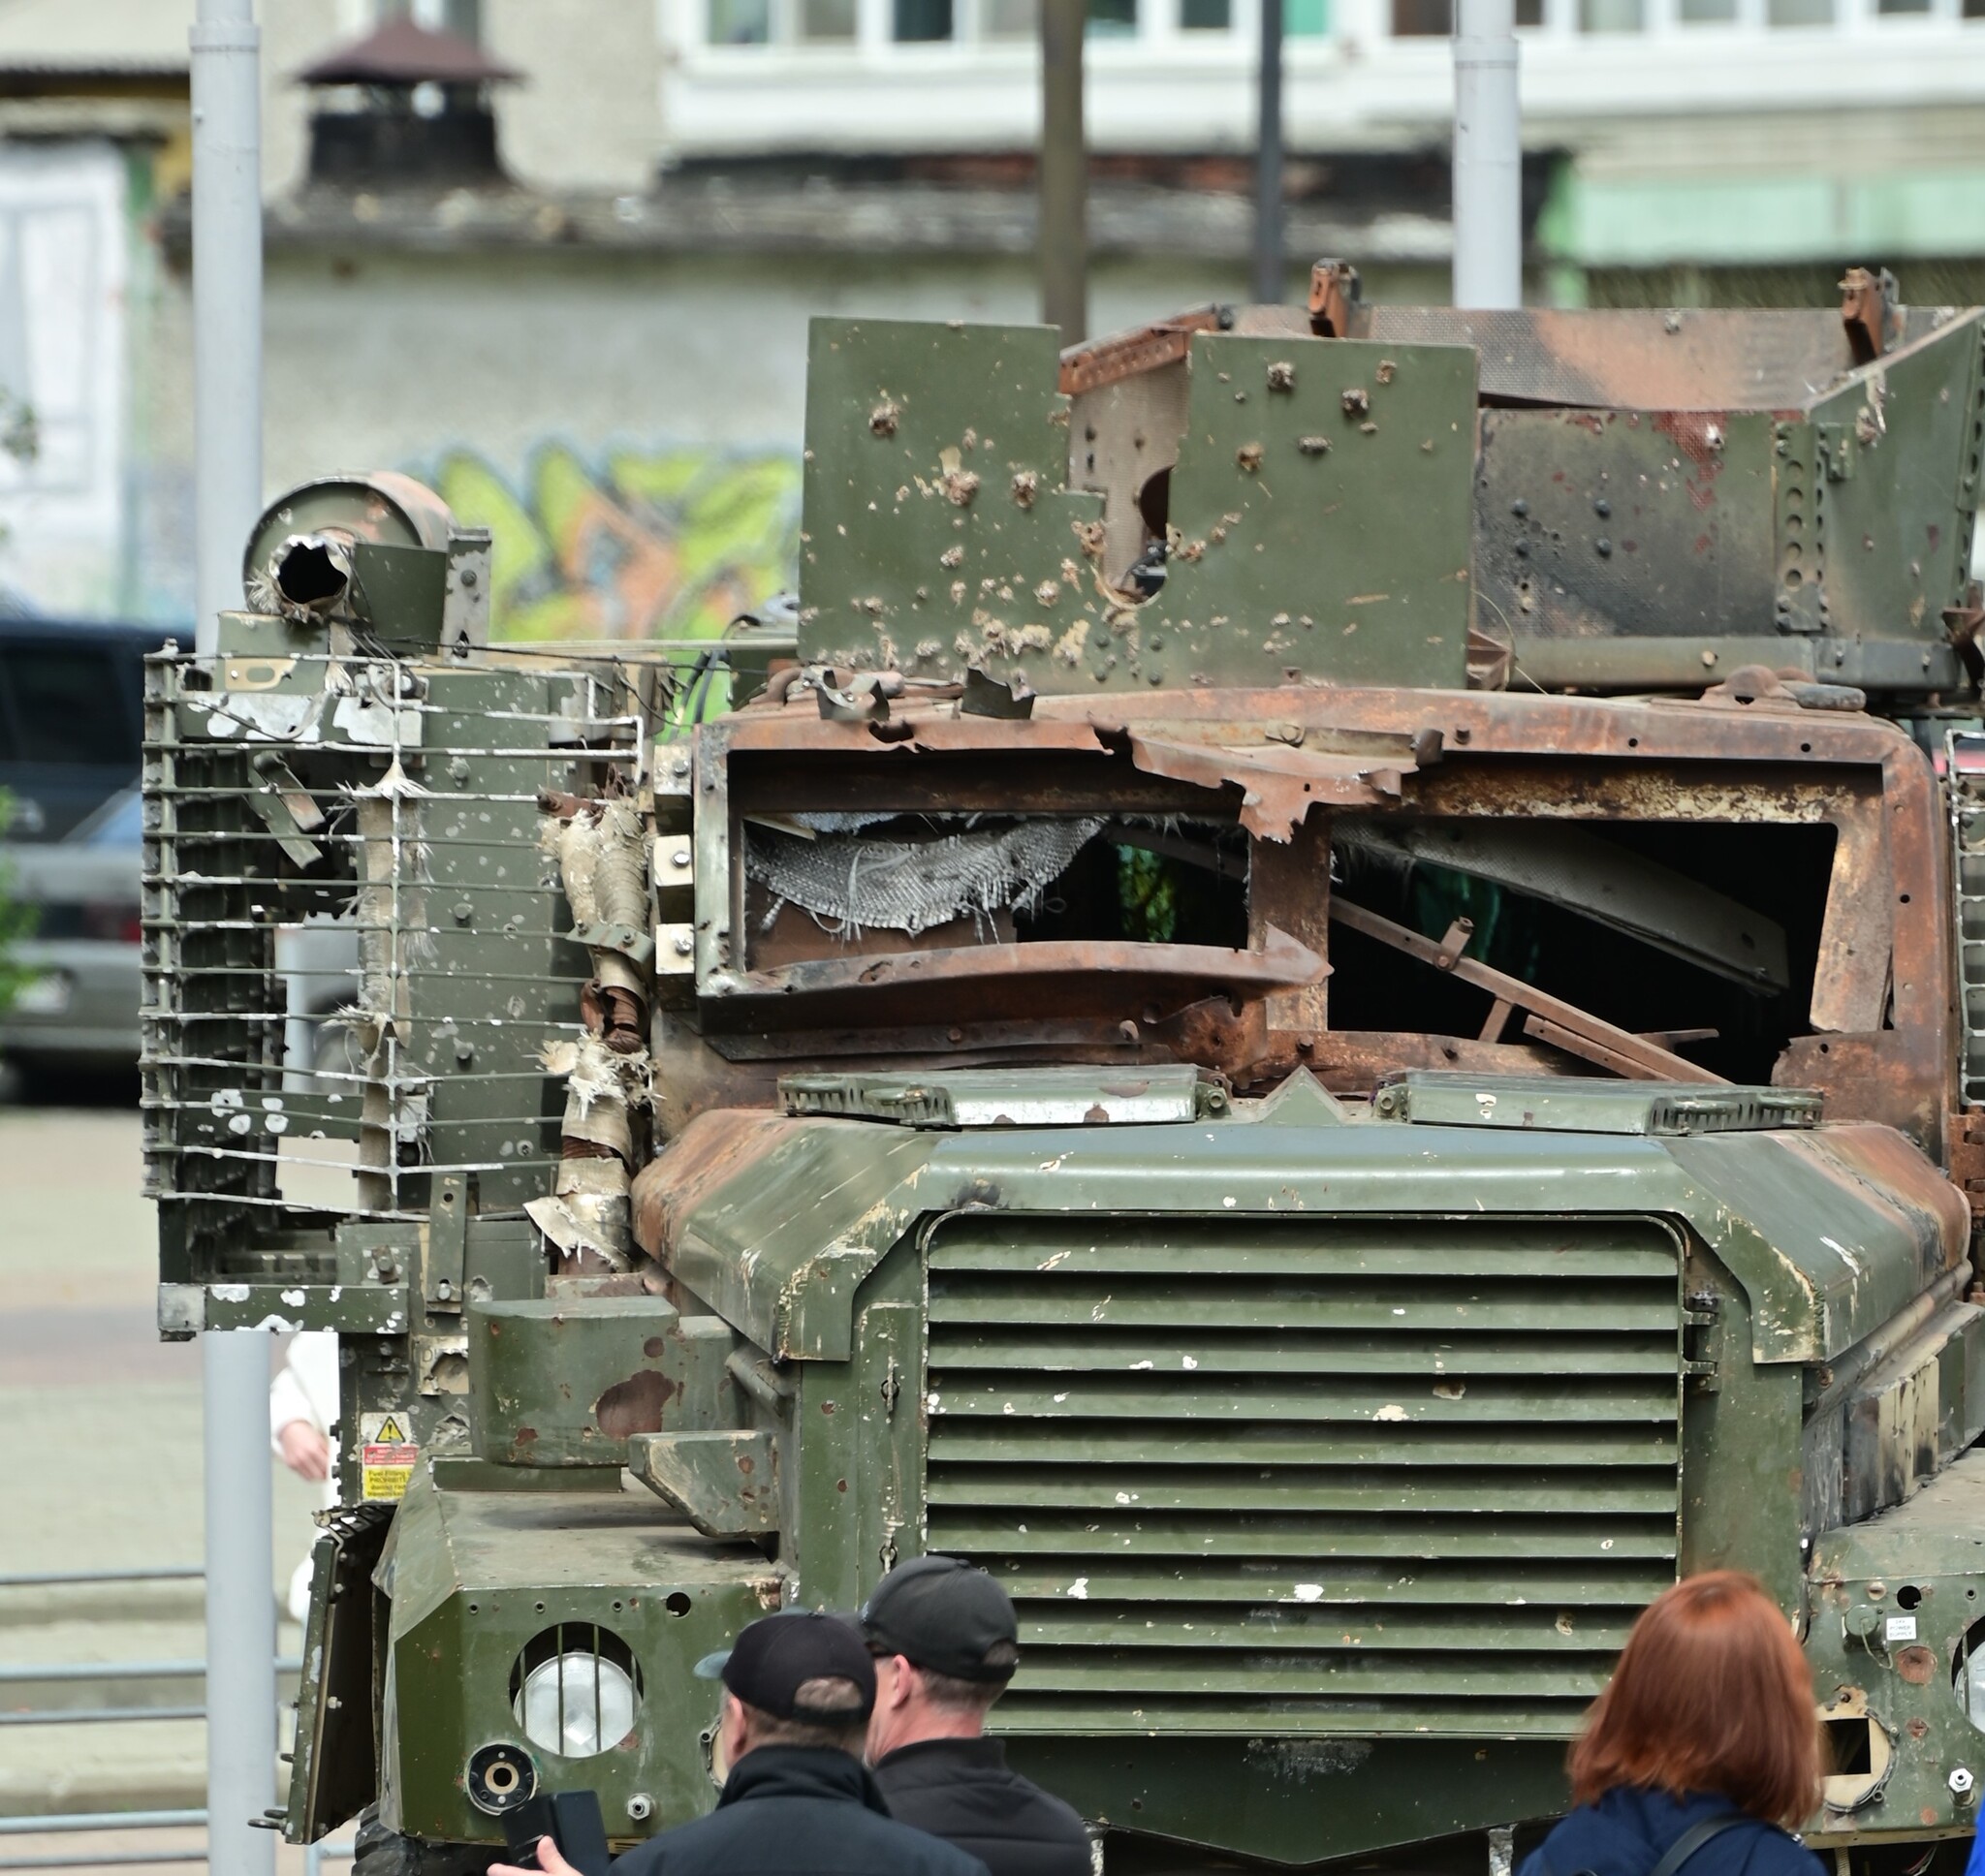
<point x="1312" y="1636"/>
<point x="477" y="1577"/>
<point x="941" y="531"/>
<point x="1825" y="1256"/>
<point x="619" y="1360"/>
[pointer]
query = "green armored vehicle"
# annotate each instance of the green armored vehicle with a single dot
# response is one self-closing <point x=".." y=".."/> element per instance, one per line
<point x="1329" y="1008"/>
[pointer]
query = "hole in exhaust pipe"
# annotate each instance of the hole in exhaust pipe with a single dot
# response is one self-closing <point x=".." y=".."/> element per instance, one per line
<point x="311" y="572"/>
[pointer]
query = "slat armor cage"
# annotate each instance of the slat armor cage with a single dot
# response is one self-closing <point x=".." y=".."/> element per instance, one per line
<point x="393" y="802"/>
<point x="1346" y="1475"/>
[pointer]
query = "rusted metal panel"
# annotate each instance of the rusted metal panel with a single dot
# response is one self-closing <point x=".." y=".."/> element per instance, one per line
<point x="1617" y="523"/>
<point x="1699" y="358"/>
<point x="1278" y="786"/>
<point x="1619" y="1049"/>
<point x="1125" y="355"/>
<point x="1850" y="981"/>
<point x="1279" y="963"/>
<point x="1749" y="753"/>
<point x="708" y="1153"/>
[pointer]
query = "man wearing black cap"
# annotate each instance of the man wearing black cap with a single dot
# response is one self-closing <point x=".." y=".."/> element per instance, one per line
<point x="946" y="1643"/>
<point x="799" y="1691"/>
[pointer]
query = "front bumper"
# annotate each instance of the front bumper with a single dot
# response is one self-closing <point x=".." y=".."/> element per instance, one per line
<point x="478" y="1576"/>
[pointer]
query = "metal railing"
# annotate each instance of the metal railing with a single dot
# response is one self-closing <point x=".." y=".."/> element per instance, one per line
<point x="64" y="1823"/>
<point x="68" y="1578"/>
<point x="315" y="1856"/>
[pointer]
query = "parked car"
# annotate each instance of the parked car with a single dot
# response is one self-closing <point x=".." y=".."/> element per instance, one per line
<point x="81" y="1007"/>
<point x="72" y="715"/>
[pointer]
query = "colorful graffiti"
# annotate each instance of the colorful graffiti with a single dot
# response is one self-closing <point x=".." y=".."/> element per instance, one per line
<point x="665" y="544"/>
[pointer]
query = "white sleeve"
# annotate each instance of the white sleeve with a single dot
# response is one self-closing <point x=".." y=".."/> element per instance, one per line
<point x="287" y="1402"/>
<point x="305" y="1386"/>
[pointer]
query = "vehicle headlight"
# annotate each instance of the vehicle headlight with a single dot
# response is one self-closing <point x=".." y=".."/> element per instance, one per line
<point x="576" y="1704"/>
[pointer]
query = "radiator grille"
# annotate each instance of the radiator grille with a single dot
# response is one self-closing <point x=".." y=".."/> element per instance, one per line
<point x="1352" y="1477"/>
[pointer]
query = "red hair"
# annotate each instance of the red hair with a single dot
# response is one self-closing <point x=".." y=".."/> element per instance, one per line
<point x="1712" y="1693"/>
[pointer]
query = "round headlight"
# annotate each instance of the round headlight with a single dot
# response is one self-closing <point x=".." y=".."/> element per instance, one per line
<point x="576" y="1704"/>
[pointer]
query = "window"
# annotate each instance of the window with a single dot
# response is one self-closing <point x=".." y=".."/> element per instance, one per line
<point x="1707" y="12"/>
<point x="1412" y="19"/>
<point x="1610" y="16"/>
<point x="921" y="21"/>
<point x="1422" y="19"/>
<point x="461" y="17"/>
<point x="1306" y="18"/>
<point x="1588" y="912"/>
<point x="739" y="22"/>
<point x="826" y="21"/>
<point x="1112" y="18"/>
<point x="1206" y="16"/>
<point x="1888" y="6"/>
<point x="1009" y="18"/>
<point x="1800" y="13"/>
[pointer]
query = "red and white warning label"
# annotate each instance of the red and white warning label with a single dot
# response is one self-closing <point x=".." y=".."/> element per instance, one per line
<point x="386" y="1455"/>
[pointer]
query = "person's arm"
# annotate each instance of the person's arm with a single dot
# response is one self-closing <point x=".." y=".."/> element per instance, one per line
<point x="295" y="1430"/>
<point x="287" y="1402"/>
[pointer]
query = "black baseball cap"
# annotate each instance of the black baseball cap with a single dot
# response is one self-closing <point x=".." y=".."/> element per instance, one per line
<point x="945" y="1615"/>
<point x="773" y="1657"/>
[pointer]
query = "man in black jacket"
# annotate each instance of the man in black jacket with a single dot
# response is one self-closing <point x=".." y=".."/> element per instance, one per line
<point x="946" y="1643"/>
<point x="799" y="1690"/>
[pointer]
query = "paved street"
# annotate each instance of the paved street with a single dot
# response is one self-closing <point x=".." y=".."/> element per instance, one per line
<point x="102" y="1423"/>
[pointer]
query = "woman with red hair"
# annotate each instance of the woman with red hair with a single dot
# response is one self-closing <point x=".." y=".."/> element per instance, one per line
<point x="1704" y="1750"/>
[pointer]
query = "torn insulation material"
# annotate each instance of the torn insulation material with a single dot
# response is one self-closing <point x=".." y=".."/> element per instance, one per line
<point x="601" y="849"/>
<point x="601" y="852"/>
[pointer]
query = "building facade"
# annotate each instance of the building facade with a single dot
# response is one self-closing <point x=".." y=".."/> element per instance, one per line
<point x="599" y="345"/>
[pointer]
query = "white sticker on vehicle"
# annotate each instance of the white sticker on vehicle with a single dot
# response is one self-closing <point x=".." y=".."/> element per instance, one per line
<point x="1901" y="1628"/>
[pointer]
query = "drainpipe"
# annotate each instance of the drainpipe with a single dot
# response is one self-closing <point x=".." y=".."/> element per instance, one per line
<point x="1063" y="172"/>
<point x="1270" y="284"/>
<point x="227" y="442"/>
<point x="1487" y="157"/>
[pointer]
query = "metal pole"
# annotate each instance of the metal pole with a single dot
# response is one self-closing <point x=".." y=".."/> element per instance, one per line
<point x="227" y="442"/>
<point x="1268" y="162"/>
<point x="1064" y="171"/>
<point x="227" y="304"/>
<point x="240" y="1606"/>
<point x="1488" y="157"/>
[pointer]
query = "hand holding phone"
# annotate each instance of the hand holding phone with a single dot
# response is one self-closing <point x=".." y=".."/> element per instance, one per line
<point x="560" y="1833"/>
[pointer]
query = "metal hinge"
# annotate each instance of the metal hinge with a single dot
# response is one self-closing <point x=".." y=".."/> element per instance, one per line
<point x="1702" y="1312"/>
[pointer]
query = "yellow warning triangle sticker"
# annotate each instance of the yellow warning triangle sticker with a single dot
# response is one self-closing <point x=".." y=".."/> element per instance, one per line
<point x="388" y="1433"/>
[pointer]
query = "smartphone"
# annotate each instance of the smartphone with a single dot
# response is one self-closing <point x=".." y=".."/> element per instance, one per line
<point x="572" y="1820"/>
<point x="524" y="1825"/>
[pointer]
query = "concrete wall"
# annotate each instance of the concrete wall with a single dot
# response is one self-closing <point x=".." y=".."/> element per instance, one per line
<point x="66" y="271"/>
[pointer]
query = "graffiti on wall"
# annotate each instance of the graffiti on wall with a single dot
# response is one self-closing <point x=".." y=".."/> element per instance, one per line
<point x="661" y="544"/>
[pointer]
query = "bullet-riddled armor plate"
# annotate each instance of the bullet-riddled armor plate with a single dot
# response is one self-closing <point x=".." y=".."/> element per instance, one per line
<point x="1314" y="525"/>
